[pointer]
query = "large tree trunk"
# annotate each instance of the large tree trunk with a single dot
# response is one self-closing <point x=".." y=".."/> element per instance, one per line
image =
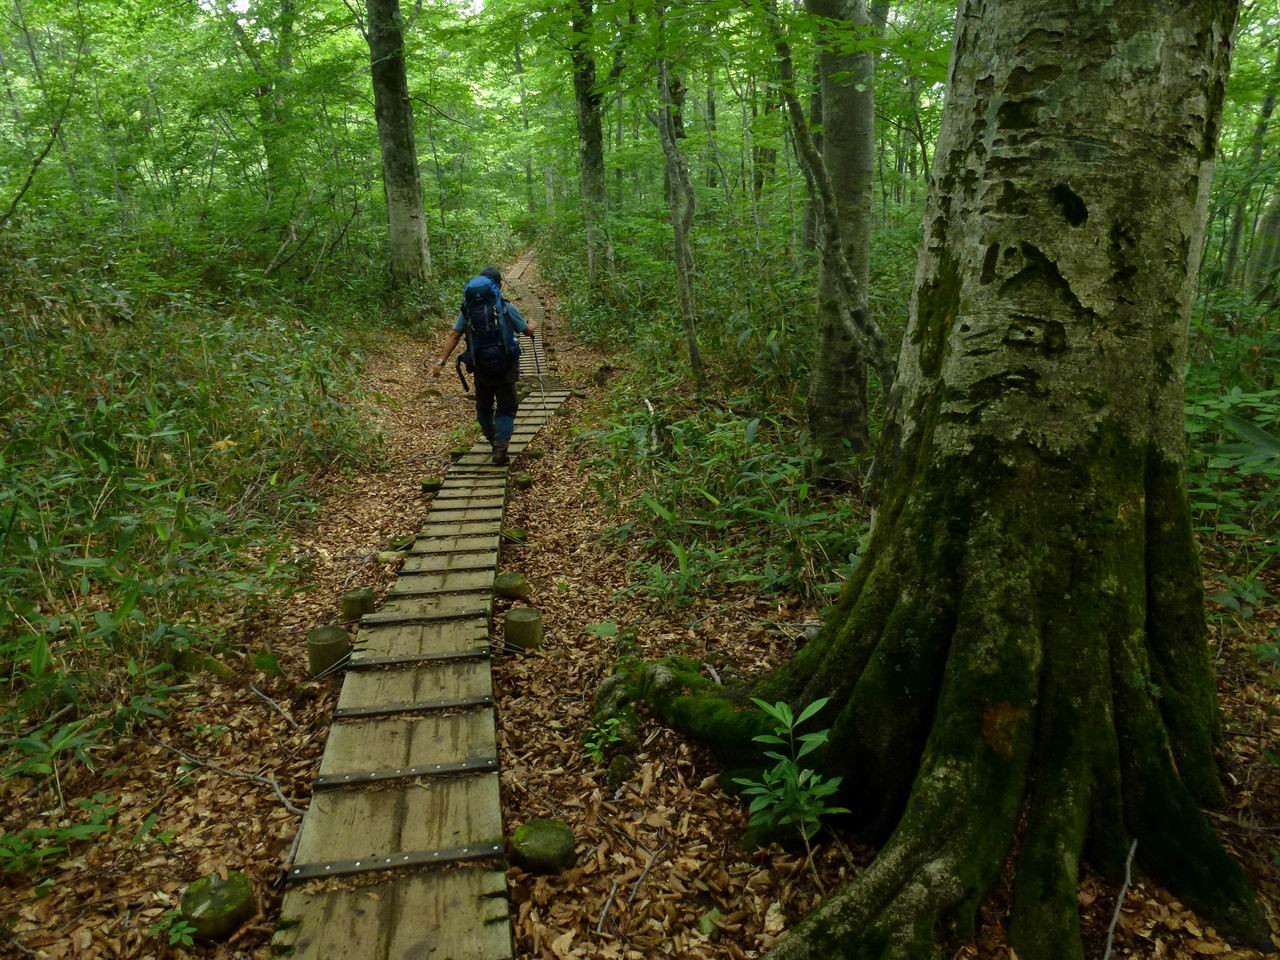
<point x="590" y="141"/>
<point x="406" y="222"/>
<point x="1021" y="659"/>
<point x="1264" y="258"/>
<point x="837" y="400"/>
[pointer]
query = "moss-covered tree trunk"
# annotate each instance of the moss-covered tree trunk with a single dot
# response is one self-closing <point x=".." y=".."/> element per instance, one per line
<point x="1020" y="662"/>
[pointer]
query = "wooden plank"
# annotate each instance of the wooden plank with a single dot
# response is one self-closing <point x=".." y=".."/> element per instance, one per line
<point x="418" y="741"/>
<point x="444" y="562"/>
<point x="436" y="604"/>
<point x="443" y="681"/>
<point x="426" y="815"/>
<point x="453" y="544"/>
<point x="464" y="581"/>
<point x="476" y="501"/>
<point x="446" y="636"/>
<point x="442" y="915"/>
<point x="459" y="528"/>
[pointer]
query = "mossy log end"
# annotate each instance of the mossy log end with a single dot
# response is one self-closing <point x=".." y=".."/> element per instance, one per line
<point x="326" y="647"/>
<point x="522" y="628"/>
<point x="356" y="603"/>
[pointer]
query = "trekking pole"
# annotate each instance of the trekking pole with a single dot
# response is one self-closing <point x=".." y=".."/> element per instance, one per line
<point x="537" y="366"/>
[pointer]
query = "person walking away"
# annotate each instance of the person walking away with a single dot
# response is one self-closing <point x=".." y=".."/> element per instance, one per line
<point x="490" y="325"/>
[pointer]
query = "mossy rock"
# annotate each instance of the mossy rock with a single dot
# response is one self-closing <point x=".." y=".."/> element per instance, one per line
<point x="535" y="453"/>
<point x="356" y="603"/>
<point x="620" y="770"/>
<point x="522" y="480"/>
<point x="457" y="453"/>
<point x="522" y="628"/>
<point x="402" y="543"/>
<point x="577" y="393"/>
<point x="389" y="556"/>
<point x="515" y="534"/>
<point x="326" y="646"/>
<point x="543" y="846"/>
<point x="432" y="484"/>
<point x="217" y="908"/>
<point x="628" y="642"/>
<point x="512" y="585"/>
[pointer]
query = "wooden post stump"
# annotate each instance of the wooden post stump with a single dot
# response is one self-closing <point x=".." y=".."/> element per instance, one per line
<point x="523" y="628"/>
<point x="326" y="646"/>
<point x="217" y="908"/>
<point x="356" y="603"/>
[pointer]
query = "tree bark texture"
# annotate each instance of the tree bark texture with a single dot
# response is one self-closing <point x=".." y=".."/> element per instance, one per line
<point x="1020" y="661"/>
<point x="837" y="399"/>
<point x="406" y="220"/>
<point x="1264" y="258"/>
<point x="587" y="100"/>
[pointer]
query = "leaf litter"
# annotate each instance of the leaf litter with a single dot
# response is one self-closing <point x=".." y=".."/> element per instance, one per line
<point x="659" y="872"/>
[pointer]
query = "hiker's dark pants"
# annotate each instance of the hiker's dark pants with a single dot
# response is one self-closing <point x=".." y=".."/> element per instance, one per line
<point x="500" y="394"/>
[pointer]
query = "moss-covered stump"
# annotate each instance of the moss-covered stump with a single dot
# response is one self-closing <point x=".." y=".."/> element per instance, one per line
<point x="217" y="908"/>
<point x="356" y="603"/>
<point x="511" y="585"/>
<point x="457" y="453"/>
<point x="515" y="535"/>
<point x="326" y="646"/>
<point x="578" y="392"/>
<point x="543" y="846"/>
<point x="522" y="481"/>
<point x="389" y="556"/>
<point x="432" y="484"/>
<point x="522" y="628"/>
<point x="535" y="453"/>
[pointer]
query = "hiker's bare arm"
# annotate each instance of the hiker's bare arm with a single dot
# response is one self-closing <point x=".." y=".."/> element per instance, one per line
<point x="449" y="344"/>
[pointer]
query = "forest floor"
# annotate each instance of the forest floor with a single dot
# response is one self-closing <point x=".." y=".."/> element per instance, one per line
<point x="659" y="871"/>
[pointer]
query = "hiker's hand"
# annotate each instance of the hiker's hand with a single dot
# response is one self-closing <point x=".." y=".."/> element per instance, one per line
<point x="531" y="327"/>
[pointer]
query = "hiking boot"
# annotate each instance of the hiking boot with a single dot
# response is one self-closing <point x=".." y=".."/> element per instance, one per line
<point x="500" y="454"/>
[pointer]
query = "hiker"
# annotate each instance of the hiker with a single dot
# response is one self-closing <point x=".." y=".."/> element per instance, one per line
<point x="490" y="325"/>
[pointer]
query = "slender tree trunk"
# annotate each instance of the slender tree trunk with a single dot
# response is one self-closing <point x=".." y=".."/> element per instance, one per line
<point x="1246" y="188"/>
<point x="524" y="116"/>
<point x="406" y="221"/>
<point x="815" y="123"/>
<point x="681" y="197"/>
<point x="837" y="398"/>
<point x="1020" y="661"/>
<point x="590" y="141"/>
<point x="713" y="159"/>
<point x="1264" y="257"/>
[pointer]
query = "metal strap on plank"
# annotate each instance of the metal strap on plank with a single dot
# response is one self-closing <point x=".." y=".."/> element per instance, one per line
<point x="375" y="862"/>
<point x="422" y="706"/>
<point x="419" y="619"/>
<point x="413" y="659"/>
<point x="332" y="781"/>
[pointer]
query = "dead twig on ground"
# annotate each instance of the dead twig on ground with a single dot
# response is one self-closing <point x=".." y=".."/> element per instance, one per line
<point x="275" y="706"/>
<point x="1124" y="889"/>
<point x="653" y="858"/>
<point x="605" y="912"/>
<point x="241" y="774"/>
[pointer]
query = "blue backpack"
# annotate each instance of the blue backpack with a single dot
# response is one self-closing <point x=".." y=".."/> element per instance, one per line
<point x="488" y="352"/>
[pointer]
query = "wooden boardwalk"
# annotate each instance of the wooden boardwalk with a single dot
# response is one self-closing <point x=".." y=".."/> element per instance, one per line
<point x="406" y="809"/>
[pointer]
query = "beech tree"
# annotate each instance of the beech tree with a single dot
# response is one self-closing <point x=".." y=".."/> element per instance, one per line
<point x="837" y="402"/>
<point x="406" y="222"/>
<point x="1020" y="660"/>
